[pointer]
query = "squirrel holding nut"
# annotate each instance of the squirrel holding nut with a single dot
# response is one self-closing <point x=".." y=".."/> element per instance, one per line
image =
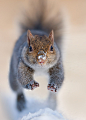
<point x="37" y="49"/>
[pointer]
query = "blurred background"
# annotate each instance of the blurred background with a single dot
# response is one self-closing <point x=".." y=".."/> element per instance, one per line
<point x="72" y="95"/>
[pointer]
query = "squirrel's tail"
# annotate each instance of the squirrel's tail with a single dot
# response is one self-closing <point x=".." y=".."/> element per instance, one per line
<point x="44" y="15"/>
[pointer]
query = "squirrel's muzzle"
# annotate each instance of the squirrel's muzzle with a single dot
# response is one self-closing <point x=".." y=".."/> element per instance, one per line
<point x="41" y="57"/>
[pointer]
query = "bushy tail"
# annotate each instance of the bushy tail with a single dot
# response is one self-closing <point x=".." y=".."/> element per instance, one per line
<point x="44" y="15"/>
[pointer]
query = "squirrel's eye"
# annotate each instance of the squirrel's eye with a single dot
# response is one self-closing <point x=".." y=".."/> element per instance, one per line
<point x="51" y="48"/>
<point x="30" y="48"/>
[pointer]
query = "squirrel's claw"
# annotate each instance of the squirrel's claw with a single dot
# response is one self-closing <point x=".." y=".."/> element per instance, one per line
<point x="32" y="85"/>
<point x="52" y="88"/>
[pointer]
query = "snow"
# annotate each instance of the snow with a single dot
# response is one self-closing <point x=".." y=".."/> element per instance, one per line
<point x="36" y="109"/>
<point x="44" y="114"/>
<point x="42" y="57"/>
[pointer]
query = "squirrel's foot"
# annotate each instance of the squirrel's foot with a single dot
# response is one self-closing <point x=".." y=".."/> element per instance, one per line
<point x="21" y="103"/>
<point x="52" y="87"/>
<point x="32" y="85"/>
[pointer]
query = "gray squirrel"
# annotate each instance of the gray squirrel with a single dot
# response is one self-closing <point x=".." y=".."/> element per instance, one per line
<point x="39" y="48"/>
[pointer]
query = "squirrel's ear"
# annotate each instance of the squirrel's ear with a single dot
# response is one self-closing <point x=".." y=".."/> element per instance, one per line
<point x="29" y="36"/>
<point x="51" y="36"/>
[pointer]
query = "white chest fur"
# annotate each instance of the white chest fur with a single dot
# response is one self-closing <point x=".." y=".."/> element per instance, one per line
<point x="41" y="76"/>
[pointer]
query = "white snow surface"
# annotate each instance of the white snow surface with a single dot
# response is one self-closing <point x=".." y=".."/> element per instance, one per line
<point x="35" y="109"/>
<point x="44" y="114"/>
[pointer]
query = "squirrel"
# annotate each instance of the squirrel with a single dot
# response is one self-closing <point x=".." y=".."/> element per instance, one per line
<point x="37" y="49"/>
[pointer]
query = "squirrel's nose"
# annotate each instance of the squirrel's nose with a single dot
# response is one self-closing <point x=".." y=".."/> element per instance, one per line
<point x="41" y="56"/>
<point x="41" y="52"/>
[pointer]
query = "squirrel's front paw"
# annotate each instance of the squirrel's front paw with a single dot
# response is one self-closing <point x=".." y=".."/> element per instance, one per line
<point x="32" y="85"/>
<point x="52" y="87"/>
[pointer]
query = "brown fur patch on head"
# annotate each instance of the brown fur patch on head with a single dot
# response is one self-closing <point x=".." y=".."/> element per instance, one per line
<point x="41" y="43"/>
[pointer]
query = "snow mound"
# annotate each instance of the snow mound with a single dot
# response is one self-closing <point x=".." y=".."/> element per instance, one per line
<point x="44" y="114"/>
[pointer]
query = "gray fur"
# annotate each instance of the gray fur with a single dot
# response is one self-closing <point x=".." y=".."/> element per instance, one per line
<point x="56" y="74"/>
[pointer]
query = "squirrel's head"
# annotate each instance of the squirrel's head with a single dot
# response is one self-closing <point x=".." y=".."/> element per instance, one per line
<point x="41" y="49"/>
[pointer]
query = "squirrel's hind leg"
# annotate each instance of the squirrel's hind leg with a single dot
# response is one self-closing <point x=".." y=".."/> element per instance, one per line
<point x="21" y="102"/>
<point x="16" y="87"/>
